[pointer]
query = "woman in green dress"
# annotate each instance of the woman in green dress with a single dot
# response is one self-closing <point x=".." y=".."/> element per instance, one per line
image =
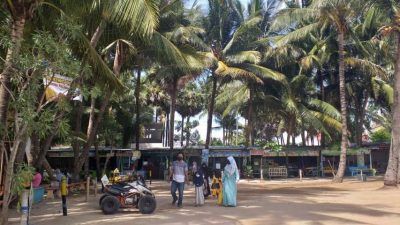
<point x="229" y="183"/>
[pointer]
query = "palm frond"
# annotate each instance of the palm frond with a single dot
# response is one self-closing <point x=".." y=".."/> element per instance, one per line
<point x="298" y="34"/>
<point x="141" y="16"/>
<point x="188" y="35"/>
<point x="307" y="62"/>
<point x="242" y="34"/>
<point x="167" y="53"/>
<point x="368" y="67"/>
<point x="292" y="16"/>
<point x="325" y="108"/>
<point x="253" y="57"/>
<point x="236" y="73"/>
<point x="98" y="66"/>
<point x="264" y="73"/>
<point x="328" y="121"/>
<point x="379" y="87"/>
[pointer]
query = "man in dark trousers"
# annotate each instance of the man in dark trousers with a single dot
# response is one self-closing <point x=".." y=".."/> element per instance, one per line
<point x="178" y="175"/>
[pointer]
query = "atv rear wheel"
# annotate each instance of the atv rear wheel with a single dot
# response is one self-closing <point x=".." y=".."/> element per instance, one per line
<point x="101" y="198"/>
<point x="109" y="204"/>
<point x="147" y="204"/>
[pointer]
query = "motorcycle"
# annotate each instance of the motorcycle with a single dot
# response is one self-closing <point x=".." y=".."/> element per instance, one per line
<point x="127" y="195"/>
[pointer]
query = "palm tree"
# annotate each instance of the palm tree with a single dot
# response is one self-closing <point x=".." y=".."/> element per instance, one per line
<point x="177" y="38"/>
<point x="391" y="10"/>
<point x="223" y="18"/>
<point x="190" y="103"/>
<point x="324" y="13"/>
<point x="240" y="59"/>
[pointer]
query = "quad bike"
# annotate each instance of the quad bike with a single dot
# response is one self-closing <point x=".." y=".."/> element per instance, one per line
<point x="127" y="195"/>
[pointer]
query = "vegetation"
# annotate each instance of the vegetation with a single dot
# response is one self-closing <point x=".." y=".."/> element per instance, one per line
<point x="380" y="135"/>
<point x="266" y="73"/>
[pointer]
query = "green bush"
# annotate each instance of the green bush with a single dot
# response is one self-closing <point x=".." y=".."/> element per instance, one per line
<point x="381" y="135"/>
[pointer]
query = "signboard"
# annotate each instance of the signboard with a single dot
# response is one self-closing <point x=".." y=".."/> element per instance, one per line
<point x="234" y="153"/>
<point x="60" y="154"/>
<point x="269" y="153"/>
<point x="124" y="154"/>
<point x="136" y="155"/>
<point x="58" y="85"/>
<point x="205" y="154"/>
<point x="256" y="152"/>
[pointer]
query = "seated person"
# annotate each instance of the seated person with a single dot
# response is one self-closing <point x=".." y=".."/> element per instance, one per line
<point x="37" y="180"/>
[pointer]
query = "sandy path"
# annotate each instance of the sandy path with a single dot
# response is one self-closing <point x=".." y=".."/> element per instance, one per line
<point x="290" y="202"/>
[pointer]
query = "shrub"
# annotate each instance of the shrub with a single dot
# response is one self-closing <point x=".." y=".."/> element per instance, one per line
<point x="381" y="135"/>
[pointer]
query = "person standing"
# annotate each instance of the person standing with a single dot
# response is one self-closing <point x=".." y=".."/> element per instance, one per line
<point x="229" y="183"/>
<point x="207" y="190"/>
<point x="179" y="174"/>
<point x="198" y="180"/>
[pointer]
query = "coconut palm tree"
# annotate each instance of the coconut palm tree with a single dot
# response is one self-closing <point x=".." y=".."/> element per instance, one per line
<point x="181" y="41"/>
<point x="338" y="15"/>
<point x="391" y="10"/>
<point x="190" y="103"/>
<point x="239" y="60"/>
<point x="223" y="19"/>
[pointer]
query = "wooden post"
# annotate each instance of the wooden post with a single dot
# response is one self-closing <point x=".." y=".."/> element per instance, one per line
<point x="64" y="192"/>
<point x="301" y="174"/>
<point x="261" y="169"/>
<point x="1" y="167"/>
<point x="87" y="188"/>
<point x="95" y="187"/>
<point x="25" y="206"/>
<point x="370" y="160"/>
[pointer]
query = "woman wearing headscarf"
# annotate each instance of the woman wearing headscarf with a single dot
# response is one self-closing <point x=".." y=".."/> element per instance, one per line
<point x="207" y="190"/>
<point x="229" y="182"/>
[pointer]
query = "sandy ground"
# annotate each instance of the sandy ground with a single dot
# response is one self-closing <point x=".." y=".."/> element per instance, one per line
<point x="283" y="202"/>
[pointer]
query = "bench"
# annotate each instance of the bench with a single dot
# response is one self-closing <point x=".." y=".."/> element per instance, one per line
<point x="355" y="170"/>
<point x="76" y="186"/>
<point x="280" y="171"/>
<point x="329" y="170"/>
<point x="50" y="192"/>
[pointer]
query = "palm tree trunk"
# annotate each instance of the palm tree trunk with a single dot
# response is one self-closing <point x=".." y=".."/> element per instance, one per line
<point x="172" y="115"/>
<point x="76" y="146"/>
<point x="94" y="121"/>
<point x="182" y="129"/>
<point x="96" y="148"/>
<point x="137" y="97"/>
<point x="343" y="104"/>
<point x="187" y="131"/>
<point x="167" y="130"/>
<point x="17" y="32"/>
<point x="223" y="134"/>
<point x="250" y="138"/>
<point x="211" y="110"/>
<point x="392" y="176"/>
<point x="303" y="137"/>
<point x="293" y="139"/>
<point x="288" y="139"/>
<point x="322" y="88"/>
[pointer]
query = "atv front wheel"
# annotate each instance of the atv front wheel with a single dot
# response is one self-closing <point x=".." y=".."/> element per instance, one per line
<point x="109" y="205"/>
<point x="147" y="204"/>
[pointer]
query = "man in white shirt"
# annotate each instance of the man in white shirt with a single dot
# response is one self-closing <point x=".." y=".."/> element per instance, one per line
<point x="179" y="174"/>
